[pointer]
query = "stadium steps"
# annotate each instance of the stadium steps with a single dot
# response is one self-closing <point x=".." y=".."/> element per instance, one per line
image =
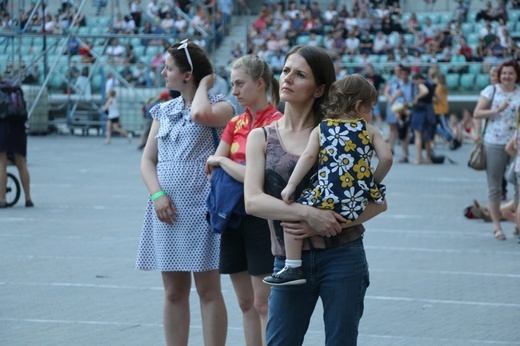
<point x="237" y="34"/>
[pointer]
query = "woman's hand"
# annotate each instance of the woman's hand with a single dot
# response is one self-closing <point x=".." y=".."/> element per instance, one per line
<point x="208" y="80"/>
<point x="326" y="223"/>
<point x="211" y="162"/>
<point x="503" y="106"/>
<point x="165" y="210"/>
<point x="299" y="229"/>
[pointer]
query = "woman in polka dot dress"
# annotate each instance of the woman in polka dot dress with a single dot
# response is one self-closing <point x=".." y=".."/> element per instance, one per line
<point x="175" y="238"/>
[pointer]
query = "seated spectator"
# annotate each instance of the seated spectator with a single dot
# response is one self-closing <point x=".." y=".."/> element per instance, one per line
<point x="365" y="23"/>
<point x="85" y="51"/>
<point x="293" y="10"/>
<point x="48" y="27"/>
<point x="152" y="12"/>
<point x="352" y="44"/>
<point x="380" y="45"/>
<point x="130" y="57"/>
<point x="157" y="63"/>
<point x="158" y="41"/>
<point x="497" y="49"/>
<point x="167" y="23"/>
<point x="142" y="76"/>
<point x="164" y="8"/>
<point x="465" y="50"/>
<point x="505" y="40"/>
<point x="146" y="30"/>
<point x="73" y="46"/>
<point x="130" y="25"/>
<point x="366" y="43"/>
<point x="461" y="12"/>
<point x="501" y="11"/>
<point x="488" y="13"/>
<point x="313" y="41"/>
<point x="412" y="24"/>
<point x="351" y="21"/>
<point x="128" y="74"/>
<point x="419" y="42"/>
<point x="429" y="30"/>
<point x="80" y="21"/>
<point x="277" y="61"/>
<point x="329" y="14"/>
<point x="180" y="24"/>
<point x="136" y="11"/>
<point x="111" y="82"/>
<point x="30" y="77"/>
<point x="100" y="5"/>
<point x="71" y="77"/>
<point x="480" y="51"/>
<point x="489" y="61"/>
<point x="458" y="63"/>
<point x="387" y="25"/>
<point x="115" y="52"/>
<point x="118" y="25"/>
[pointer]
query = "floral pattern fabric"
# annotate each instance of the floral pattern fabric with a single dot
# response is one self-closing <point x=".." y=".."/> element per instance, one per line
<point x="345" y="182"/>
<point x="500" y="127"/>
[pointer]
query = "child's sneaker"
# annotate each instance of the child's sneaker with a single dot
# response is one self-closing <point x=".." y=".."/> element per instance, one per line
<point x="287" y="276"/>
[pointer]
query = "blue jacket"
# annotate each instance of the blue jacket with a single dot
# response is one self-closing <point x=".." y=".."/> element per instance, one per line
<point x="225" y="202"/>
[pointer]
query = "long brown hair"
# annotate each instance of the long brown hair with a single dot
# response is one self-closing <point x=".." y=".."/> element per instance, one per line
<point x="322" y="68"/>
<point x="200" y="60"/>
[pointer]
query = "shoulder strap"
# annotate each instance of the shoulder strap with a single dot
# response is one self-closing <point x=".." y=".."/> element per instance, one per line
<point x="490" y="103"/>
<point x="265" y="133"/>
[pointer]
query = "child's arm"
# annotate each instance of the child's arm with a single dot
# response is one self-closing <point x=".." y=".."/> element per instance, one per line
<point x="511" y="146"/>
<point x="304" y="164"/>
<point x="105" y="107"/>
<point x="383" y="152"/>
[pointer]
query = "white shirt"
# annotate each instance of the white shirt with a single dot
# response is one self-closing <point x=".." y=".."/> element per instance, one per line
<point x="152" y="10"/>
<point x="115" y="52"/>
<point x="500" y="127"/>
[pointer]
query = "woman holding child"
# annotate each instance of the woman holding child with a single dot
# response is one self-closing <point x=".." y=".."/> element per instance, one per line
<point x="333" y="259"/>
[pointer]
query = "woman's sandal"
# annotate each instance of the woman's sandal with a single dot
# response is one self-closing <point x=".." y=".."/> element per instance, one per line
<point x="499" y="234"/>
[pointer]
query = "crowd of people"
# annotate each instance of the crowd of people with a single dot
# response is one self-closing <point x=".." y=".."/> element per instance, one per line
<point x="352" y="35"/>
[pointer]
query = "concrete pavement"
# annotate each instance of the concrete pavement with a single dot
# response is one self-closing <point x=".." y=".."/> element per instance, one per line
<point x="67" y="272"/>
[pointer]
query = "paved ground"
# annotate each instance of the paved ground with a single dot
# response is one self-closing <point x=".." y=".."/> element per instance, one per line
<point x="67" y="266"/>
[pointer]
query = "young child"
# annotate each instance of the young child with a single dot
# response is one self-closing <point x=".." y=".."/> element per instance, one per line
<point x="344" y="144"/>
<point x="113" y="118"/>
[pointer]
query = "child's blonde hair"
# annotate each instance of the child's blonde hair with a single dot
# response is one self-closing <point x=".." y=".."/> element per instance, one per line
<point x="345" y="93"/>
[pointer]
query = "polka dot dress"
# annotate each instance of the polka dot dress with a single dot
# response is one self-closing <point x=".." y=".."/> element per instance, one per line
<point x="188" y="244"/>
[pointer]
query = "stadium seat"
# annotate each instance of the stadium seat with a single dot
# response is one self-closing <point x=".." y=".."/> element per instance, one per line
<point x="302" y="39"/>
<point x="446" y="17"/>
<point x="482" y="81"/>
<point x="374" y="58"/>
<point x="472" y="38"/>
<point x="513" y="15"/>
<point x="467" y="28"/>
<point x="475" y="68"/>
<point x="452" y="80"/>
<point x="467" y="81"/>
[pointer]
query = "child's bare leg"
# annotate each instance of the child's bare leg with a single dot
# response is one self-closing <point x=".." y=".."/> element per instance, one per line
<point x="108" y="132"/>
<point x="293" y="247"/>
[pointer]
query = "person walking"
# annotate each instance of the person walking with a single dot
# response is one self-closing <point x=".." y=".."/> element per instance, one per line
<point x="245" y="250"/>
<point x="497" y="105"/>
<point x="175" y="237"/>
<point x="271" y="155"/>
<point x="113" y="118"/>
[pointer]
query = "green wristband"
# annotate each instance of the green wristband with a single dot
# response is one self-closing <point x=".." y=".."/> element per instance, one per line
<point x="157" y="195"/>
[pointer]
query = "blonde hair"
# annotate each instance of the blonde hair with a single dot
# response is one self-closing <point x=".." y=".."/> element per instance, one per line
<point x="345" y="93"/>
<point x="112" y="93"/>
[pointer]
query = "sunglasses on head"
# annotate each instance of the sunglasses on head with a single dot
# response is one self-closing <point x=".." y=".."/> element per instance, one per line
<point x="184" y="45"/>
